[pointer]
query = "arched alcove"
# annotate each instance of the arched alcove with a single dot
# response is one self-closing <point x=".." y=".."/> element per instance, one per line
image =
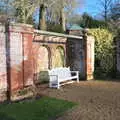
<point x="58" y="57"/>
<point x="43" y="58"/>
<point x="43" y="63"/>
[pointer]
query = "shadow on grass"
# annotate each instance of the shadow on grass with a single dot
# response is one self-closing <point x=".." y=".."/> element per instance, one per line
<point x="3" y="116"/>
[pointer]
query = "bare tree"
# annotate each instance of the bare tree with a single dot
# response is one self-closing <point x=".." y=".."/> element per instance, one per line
<point x="115" y="16"/>
<point x="57" y="10"/>
<point x="42" y="5"/>
<point x="105" y="4"/>
<point x="42" y="17"/>
<point x="61" y="9"/>
<point x="5" y="10"/>
<point x="24" y="9"/>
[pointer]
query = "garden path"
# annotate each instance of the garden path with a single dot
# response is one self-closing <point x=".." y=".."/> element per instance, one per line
<point x="97" y="100"/>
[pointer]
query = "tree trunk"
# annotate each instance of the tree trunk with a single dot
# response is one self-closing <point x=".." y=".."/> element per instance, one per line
<point x="63" y="20"/>
<point x="42" y="17"/>
<point x="106" y="11"/>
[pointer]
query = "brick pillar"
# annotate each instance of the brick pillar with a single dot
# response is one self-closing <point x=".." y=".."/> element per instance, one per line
<point x="89" y="60"/>
<point x="28" y="36"/>
<point x="20" y="52"/>
<point x="15" y="59"/>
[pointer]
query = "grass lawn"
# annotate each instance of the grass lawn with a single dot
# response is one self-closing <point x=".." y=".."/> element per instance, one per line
<point x="43" y="109"/>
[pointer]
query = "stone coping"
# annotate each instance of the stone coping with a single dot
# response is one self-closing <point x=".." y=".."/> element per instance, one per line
<point x="44" y="32"/>
<point x="57" y="34"/>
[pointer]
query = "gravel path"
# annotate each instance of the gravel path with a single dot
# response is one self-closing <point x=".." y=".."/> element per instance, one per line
<point x="97" y="100"/>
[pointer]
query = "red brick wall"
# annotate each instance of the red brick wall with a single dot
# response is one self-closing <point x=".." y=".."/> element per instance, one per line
<point x="89" y="57"/>
<point x="21" y="54"/>
<point x="21" y="63"/>
<point x="18" y="58"/>
<point x="3" y="67"/>
<point x="28" y="59"/>
<point x="50" y="43"/>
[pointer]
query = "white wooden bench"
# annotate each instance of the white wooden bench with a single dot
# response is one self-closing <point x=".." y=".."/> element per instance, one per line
<point x="61" y="76"/>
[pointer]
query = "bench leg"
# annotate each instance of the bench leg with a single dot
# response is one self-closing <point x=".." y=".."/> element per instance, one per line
<point x="77" y="77"/>
<point x="58" y="85"/>
<point x="50" y="84"/>
<point x="78" y="80"/>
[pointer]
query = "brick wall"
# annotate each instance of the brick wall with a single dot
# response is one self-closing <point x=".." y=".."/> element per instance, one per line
<point x="76" y="56"/>
<point x="80" y="55"/>
<point x="3" y="67"/>
<point x="45" y="46"/>
<point x="25" y="53"/>
<point x="19" y="55"/>
<point x="89" y="57"/>
<point x="21" y="62"/>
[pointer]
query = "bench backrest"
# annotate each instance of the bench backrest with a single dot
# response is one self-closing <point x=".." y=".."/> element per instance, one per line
<point x="60" y="72"/>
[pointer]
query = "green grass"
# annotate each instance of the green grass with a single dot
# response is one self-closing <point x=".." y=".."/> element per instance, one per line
<point x="43" y="109"/>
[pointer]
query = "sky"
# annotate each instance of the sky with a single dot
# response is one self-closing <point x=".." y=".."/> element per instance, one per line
<point x="92" y="7"/>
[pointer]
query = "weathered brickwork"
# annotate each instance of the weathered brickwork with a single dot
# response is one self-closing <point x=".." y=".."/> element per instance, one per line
<point x="89" y="57"/>
<point x="76" y="56"/>
<point x="44" y="50"/>
<point x="3" y="67"/>
<point x="80" y="54"/>
<point x="26" y="55"/>
<point x="21" y="57"/>
<point x="28" y="58"/>
<point x="16" y="59"/>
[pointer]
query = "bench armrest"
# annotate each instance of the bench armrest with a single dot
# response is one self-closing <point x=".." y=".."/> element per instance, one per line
<point x="54" y="80"/>
<point x="77" y="74"/>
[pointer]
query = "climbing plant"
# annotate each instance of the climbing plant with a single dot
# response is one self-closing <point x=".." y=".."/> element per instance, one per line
<point x="104" y="52"/>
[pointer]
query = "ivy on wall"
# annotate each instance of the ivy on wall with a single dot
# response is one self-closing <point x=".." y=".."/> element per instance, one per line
<point x="104" y="52"/>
